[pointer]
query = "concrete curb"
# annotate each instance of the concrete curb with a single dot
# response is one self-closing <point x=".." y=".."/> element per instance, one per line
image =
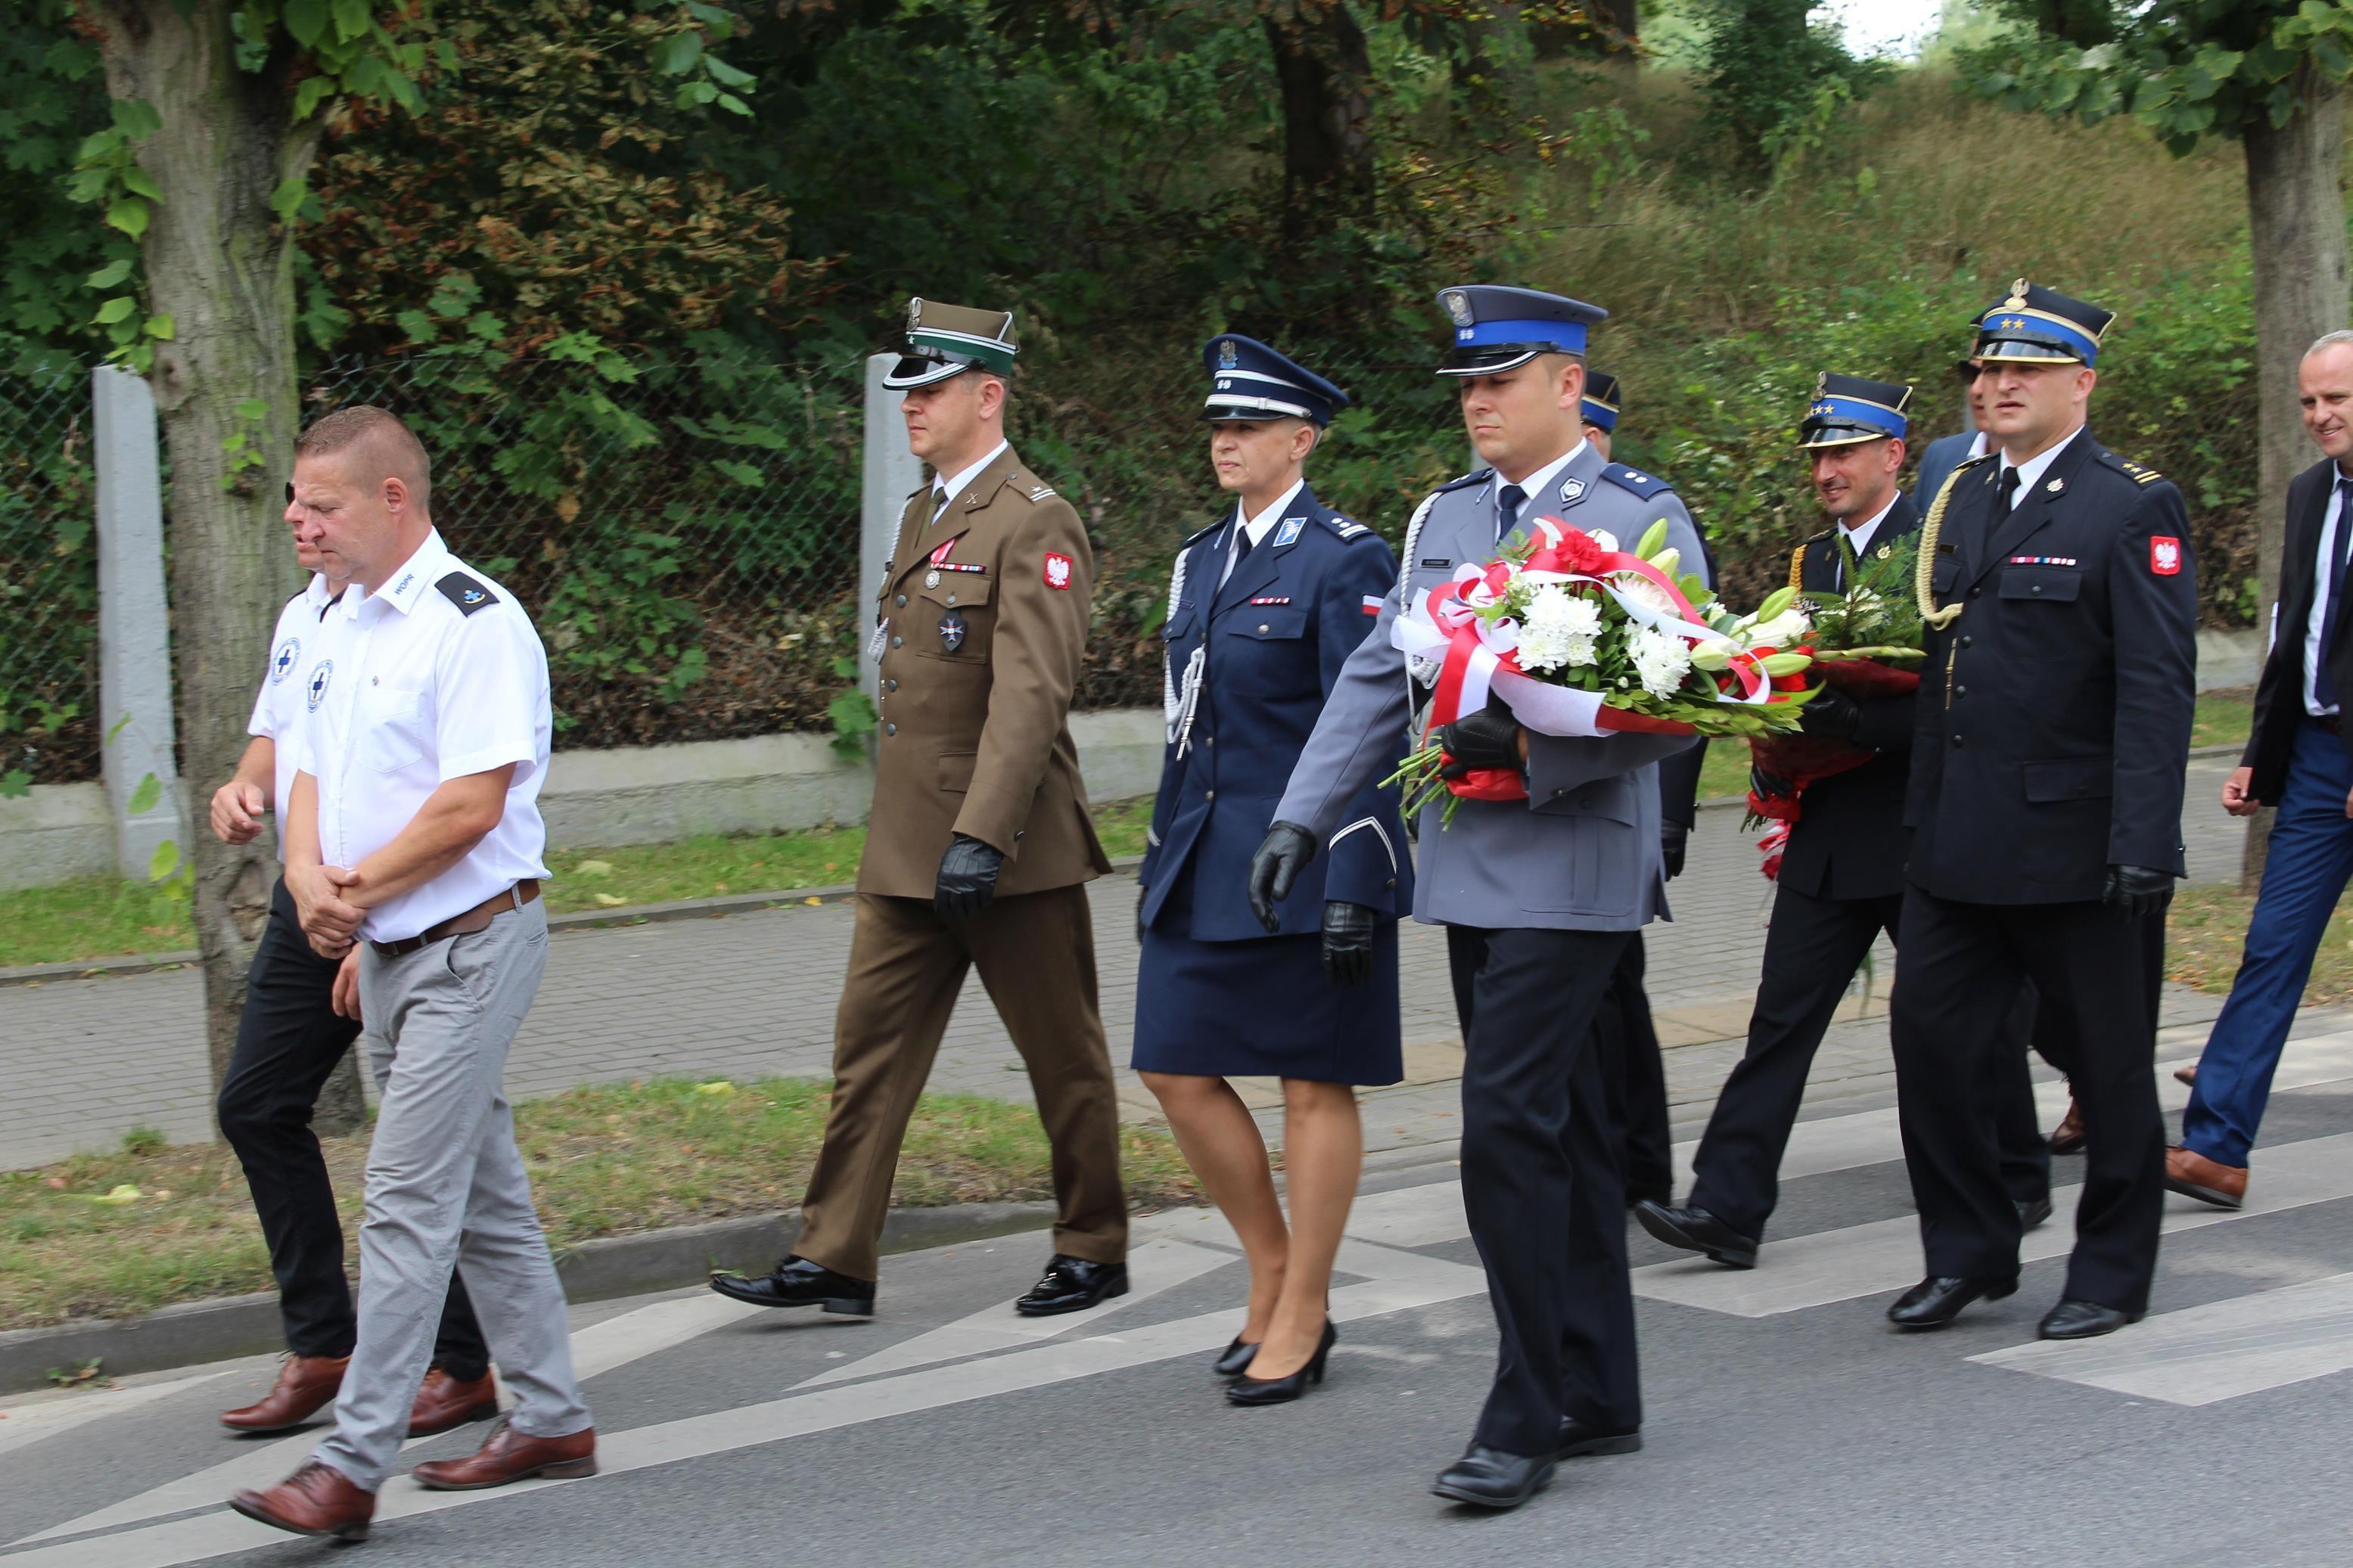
<point x="578" y="919"/>
<point x="192" y="1333"/>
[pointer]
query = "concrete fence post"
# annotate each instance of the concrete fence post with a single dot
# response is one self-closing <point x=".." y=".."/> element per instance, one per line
<point x="891" y="474"/>
<point x="135" y="625"/>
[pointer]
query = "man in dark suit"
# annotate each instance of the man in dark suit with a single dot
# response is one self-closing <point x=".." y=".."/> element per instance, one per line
<point x="1841" y="879"/>
<point x="2045" y="804"/>
<point x="2297" y="760"/>
<point x="1947" y="453"/>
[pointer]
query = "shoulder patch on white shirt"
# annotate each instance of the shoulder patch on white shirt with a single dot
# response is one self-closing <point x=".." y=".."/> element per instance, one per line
<point x="465" y="593"/>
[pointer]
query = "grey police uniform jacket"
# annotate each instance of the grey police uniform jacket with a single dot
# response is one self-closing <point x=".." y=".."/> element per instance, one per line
<point x="1581" y="853"/>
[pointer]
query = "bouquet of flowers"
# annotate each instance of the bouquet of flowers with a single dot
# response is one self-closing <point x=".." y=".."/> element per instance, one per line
<point x="1864" y="641"/>
<point x="1582" y="639"/>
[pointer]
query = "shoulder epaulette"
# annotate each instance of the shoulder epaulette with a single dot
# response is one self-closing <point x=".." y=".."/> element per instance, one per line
<point x="465" y="593"/>
<point x="1031" y="485"/>
<point x="2135" y="472"/>
<point x="1193" y="538"/>
<point x="1478" y="478"/>
<point x="1344" y="527"/>
<point x="1635" y="479"/>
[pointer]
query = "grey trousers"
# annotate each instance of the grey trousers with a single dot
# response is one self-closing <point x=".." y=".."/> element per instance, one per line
<point x="445" y="1184"/>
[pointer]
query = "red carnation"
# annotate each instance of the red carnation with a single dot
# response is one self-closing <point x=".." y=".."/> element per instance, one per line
<point x="1577" y="552"/>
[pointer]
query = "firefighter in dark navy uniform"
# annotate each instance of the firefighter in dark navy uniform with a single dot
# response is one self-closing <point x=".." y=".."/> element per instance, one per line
<point x="1263" y="609"/>
<point x="2045" y="802"/>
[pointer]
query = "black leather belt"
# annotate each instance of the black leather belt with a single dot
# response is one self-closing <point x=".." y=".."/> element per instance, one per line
<point x="476" y="919"/>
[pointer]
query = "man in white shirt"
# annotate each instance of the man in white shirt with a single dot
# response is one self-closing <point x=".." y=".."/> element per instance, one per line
<point x="413" y="843"/>
<point x="289" y="1038"/>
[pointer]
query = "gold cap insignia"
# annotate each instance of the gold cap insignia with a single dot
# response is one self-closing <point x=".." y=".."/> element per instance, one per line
<point x="915" y="312"/>
<point x="2017" y="301"/>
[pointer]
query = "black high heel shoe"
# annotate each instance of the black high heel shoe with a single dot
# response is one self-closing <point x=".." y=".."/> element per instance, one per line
<point x="1236" y="1359"/>
<point x="1248" y="1390"/>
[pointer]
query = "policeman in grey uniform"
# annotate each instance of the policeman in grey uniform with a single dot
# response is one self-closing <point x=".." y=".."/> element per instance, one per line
<point x="1539" y="898"/>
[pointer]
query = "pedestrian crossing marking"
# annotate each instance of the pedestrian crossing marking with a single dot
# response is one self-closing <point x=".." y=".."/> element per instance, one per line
<point x="2202" y="1355"/>
<point x="1884" y="1255"/>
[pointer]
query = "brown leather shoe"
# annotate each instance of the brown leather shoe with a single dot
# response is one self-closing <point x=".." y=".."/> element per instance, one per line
<point x="306" y="1385"/>
<point x="444" y="1401"/>
<point x="2187" y="1074"/>
<point x="507" y="1454"/>
<point x="317" y="1500"/>
<point x="2069" y="1135"/>
<point x="2193" y="1175"/>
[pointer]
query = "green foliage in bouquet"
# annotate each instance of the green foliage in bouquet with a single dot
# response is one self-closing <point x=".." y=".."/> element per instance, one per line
<point x="1878" y="617"/>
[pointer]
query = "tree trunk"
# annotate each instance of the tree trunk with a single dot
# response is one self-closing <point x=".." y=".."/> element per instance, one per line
<point x="2295" y="211"/>
<point x="220" y="265"/>
<point x="1326" y="74"/>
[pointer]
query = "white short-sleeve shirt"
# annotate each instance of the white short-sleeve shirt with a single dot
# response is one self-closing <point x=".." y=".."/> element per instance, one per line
<point x="278" y="706"/>
<point x="439" y="676"/>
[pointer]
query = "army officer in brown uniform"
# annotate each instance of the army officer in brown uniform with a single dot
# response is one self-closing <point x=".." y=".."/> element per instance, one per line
<point x="979" y="847"/>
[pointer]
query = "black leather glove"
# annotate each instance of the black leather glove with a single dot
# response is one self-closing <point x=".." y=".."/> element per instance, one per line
<point x="1764" y="785"/>
<point x="1670" y="848"/>
<point x="967" y="878"/>
<point x="1141" y="895"/>
<point x="2136" y="890"/>
<point x="1281" y="857"/>
<point x="1830" y="713"/>
<point x="1489" y="738"/>
<point x="1347" y="942"/>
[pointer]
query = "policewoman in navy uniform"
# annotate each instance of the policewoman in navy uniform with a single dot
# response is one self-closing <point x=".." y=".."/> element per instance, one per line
<point x="2045" y="804"/>
<point x="1263" y="609"/>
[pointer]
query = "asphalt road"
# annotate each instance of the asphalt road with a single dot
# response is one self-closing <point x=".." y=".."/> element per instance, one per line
<point x="1786" y="1422"/>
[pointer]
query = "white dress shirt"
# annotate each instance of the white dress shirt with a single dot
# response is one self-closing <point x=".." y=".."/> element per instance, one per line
<point x="2316" y="624"/>
<point x="1541" y="501"/>
<point x="415" y="688"/>
<point x="1258" y="526"/>
<point x="2030" y="472"/>
<point x="278" y="706"/>
<point x="1858" y="535"/>
<point x="945" y="490"/>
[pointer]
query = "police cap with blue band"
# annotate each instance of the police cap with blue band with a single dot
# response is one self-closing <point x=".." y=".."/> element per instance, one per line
<point x="948" y="339"/>
<point x="1251" y="381"/>
<point x="1601" y="399"/>
<point x="1498" y="329"/>
<point x="1848" y="409"/>
<point x="2037" y="326"/>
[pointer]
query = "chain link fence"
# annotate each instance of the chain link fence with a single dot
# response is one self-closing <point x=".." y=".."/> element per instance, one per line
<point x="48" y="576"/>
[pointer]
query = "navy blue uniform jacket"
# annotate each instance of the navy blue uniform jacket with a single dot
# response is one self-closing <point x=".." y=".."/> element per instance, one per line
<point x="1276" y="635"/>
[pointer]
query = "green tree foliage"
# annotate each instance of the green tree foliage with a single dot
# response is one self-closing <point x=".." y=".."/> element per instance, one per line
<point x="1777" y="81"/>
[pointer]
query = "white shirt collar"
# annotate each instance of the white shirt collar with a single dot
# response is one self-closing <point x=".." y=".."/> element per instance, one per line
<point x="955" y="484"/>
<point x="318" y="593"/>
<point x="2029" y="472"/>
<point x="1859" y="535"/>
<point x="1980" y="444"/>
<point x="409" y="581"/>
<point x="1537" y="484"/>
<point x="1260" y="526"/>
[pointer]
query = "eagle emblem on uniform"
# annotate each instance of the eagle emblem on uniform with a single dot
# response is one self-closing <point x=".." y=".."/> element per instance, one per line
<point x="1057" y="572"/>
<point x="2164" y="556"/>
<point x="1458" y="306"/>
<point x="1227" y="355"/>
<point x="915" y="312"/>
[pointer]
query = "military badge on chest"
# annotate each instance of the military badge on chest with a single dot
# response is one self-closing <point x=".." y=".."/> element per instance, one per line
<point x="952" y="630"/>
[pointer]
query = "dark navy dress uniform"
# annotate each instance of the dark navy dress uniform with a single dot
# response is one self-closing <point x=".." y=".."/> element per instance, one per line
<point x="2053" y="732"/>
<point x="1215" y="993"/>
<point x="1250" y="662"/>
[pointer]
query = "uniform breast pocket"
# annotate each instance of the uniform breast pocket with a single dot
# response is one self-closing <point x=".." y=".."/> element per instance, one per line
<point x="1179" y="626"/>
<point x="1944" y="575"/>
<point x="1266" y="622"/>
<point x="396" y="727"/>
<point x="2041" y="585"/>
<point x="954" y="620"/>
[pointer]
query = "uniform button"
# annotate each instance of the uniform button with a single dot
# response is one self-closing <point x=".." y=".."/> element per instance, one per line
<point x="2036" y="589"/>
<point x="1261" y="628"/>
<point x="1957" y="740"/>
<point x="1390" y="883"/>
<point x="1208" y="795"/>
<point x="903" y="601"/>
<point x="1975" y="592"/>
<point x="891" y="686"/>
<point x="1960" y="691"/>
<point x="1209" y="740"/>
<point x="890" y="729"/>
<point x="1967" y="641"/>
<point x="895" y="641"/>
<point x="951" y="598"/>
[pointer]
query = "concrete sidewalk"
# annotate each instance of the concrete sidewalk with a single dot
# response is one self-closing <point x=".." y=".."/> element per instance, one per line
<point x="750" y="995"/>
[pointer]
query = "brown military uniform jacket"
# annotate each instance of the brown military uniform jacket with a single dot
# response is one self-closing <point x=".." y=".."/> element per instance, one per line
<point x="985" y="617"/>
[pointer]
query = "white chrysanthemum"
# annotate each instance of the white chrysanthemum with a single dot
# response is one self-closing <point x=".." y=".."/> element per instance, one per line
<point x="1558" y="629"/>
<point x="1784" y="630"/>
<point x="1659" y="660"/>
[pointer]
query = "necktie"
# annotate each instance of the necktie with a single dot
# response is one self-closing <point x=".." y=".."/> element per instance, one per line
<point x="2324" y="686"/>
<point x="2006" y="498"/>
<point x="1508" y="502"/>
<point x="939" y="500"/>
<point x="1241" y="545"/>
<point x="1846" y="561"/>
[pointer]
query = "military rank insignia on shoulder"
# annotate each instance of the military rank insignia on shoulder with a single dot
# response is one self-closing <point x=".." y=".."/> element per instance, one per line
<point x="2137" y="474"/>
<point x="1344" y="527"/>
<point x="1635" y="479"/>
<point x="465" y="593"/>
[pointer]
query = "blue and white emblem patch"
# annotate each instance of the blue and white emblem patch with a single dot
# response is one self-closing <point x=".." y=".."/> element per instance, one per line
<point x="282" y="662"/>
<point x="324" y="673"/>
<point x="1288" y="533"/>
<point x="1572" y="491"/>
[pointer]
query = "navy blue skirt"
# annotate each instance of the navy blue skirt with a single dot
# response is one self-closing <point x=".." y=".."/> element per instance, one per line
<point x="1265" y="1009"/>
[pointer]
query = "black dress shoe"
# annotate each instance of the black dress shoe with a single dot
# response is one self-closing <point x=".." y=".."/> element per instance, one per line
<point x="1249" y="1390"/>
<point x="2030" y="1214"/>
<point x="797" y="1282"/>
<point x="1937" y="1300"/>
<point x="1489" y="1477"/>
<point x="1696" y="1230"/>
<point x="1579" y="1439"/>
<point x="1072" y="1285"/>
<point x="2084" y="1321"/>
<point x="1237" y="1359"/>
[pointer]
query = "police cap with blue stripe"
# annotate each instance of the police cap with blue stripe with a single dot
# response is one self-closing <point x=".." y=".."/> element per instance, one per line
<point x="948" y="339"/>
<point x="1251" y="381"/>
<point x="1498" y="329"/>
<point x="2040" y="327"/>
<point x="1601" y="403"/>
<point x="1848" y="409"/>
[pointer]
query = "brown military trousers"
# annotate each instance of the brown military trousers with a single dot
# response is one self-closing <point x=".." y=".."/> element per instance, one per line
<point x="1035" y="954"/>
